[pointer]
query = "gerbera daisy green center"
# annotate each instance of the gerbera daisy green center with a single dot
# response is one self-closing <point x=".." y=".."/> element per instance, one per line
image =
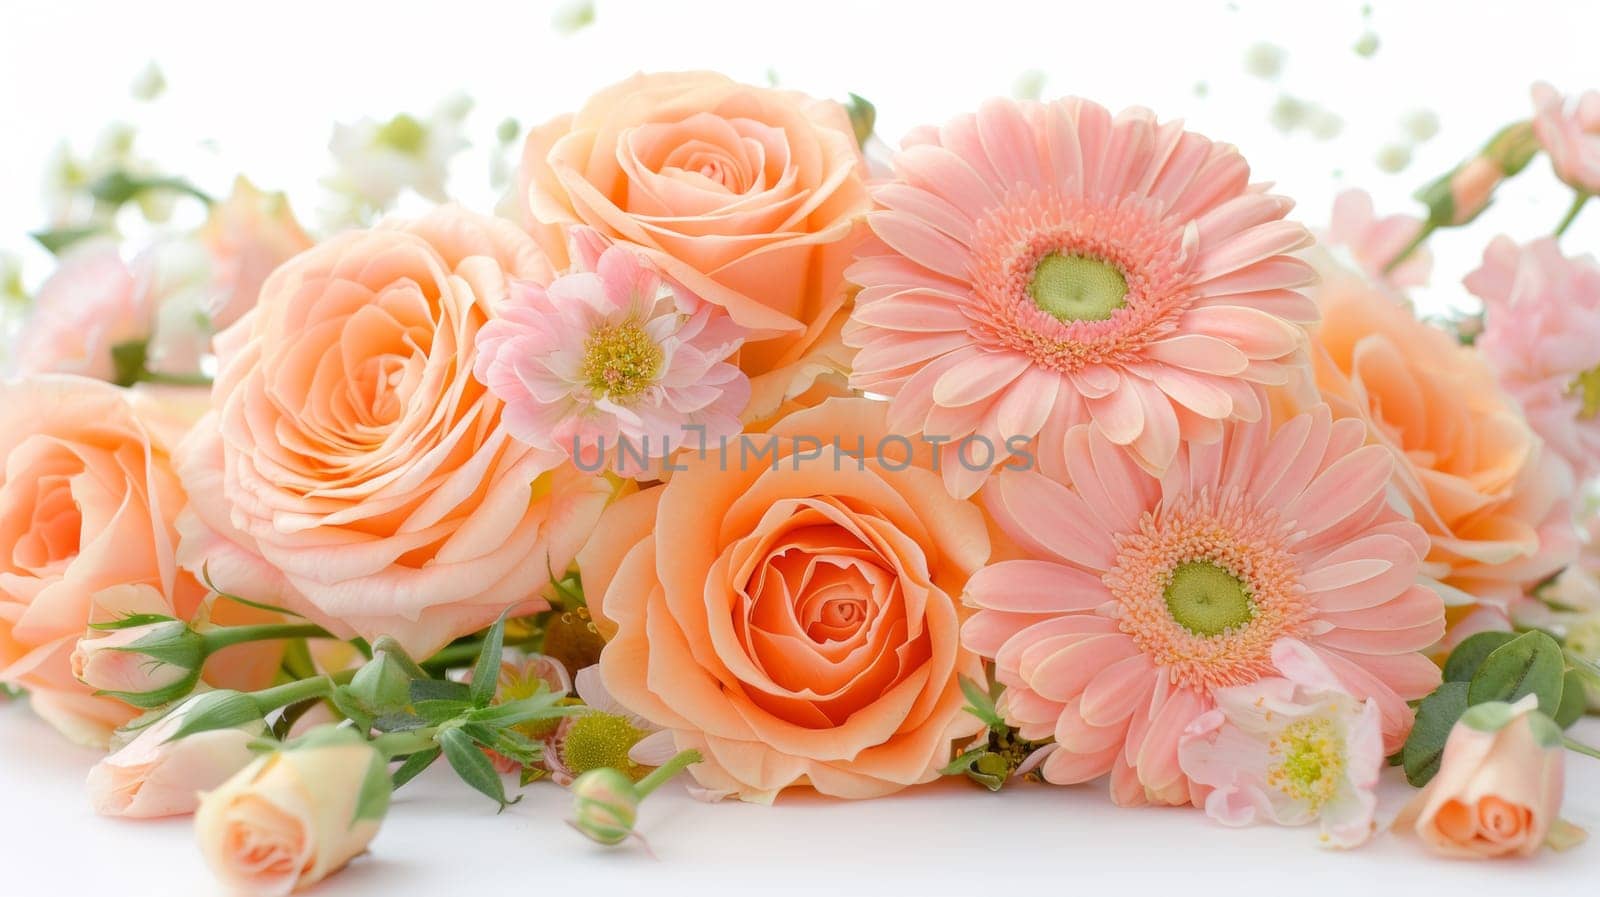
<point x="621" y="361"/>
<point x="1077" y="287"/>
<point x="1205" y="587"/>
<point x="1070" y="282"/>
<point x="597" y="740"/>
<point x="1586" y="386"/>
<point x="1308" y="761"/>
<point x="1207" y="600"/>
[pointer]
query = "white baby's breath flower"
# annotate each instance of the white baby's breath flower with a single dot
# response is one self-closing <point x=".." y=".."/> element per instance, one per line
<point x="375" y="162"/>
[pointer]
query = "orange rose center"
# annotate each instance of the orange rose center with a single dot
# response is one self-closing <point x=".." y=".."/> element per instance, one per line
<point x="51" y="537"/>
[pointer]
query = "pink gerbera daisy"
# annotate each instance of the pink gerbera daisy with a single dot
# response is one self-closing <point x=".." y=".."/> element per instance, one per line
<point x="614" y="366"/>
<point x="1142" y="596"/>
<point x="1035" y="266"/>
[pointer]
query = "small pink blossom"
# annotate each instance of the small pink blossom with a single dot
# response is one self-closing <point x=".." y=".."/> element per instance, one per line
<point x="86" y="308"/>
<point x="1290" y="750"/>
<point x="1373" y="242"/>
<point x="1570" y="133"/>
<point x="1542" y="337"/>
<point x="613" y="365"/>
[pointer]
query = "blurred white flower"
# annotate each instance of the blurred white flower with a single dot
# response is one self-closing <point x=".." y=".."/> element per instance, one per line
<point x="374" y="162"/>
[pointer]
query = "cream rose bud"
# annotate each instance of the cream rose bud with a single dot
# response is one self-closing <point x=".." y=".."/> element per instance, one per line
<point x="152" y="775"/>
<point x="605" y="805"/>
<point x="146" y="665"/>
<point x="292" y="818"/>
<point x="1498" y="790"/>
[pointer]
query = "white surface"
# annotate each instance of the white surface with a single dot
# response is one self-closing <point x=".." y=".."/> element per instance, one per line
<point x="949" y="838"/>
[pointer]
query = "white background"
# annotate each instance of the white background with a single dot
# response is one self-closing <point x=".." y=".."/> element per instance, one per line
<point x="256" y="88"/>
<point x="947" y="839"/>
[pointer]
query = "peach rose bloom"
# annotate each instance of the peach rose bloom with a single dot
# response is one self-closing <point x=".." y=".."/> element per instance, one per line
<point x="294" y="817"/>
<point x="152" y="776"/>
<point x="793" y="616"/>
<point x="87" y="503"/>
<point x="1497" y="792"/>
<point x="750" y="197"/>
<point x="353" y="470"/>
<point x="87" y="307"/>
<point x="1497" y="513"/>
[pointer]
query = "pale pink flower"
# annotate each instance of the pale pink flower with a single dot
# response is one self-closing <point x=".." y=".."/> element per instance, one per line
<point x="1041" y="265"/>
<point x="1373" y="242"/>
<point x="84" y="310"/>
<point x="610" y="729"/>
<point x="1570" y="133"/>
<point x="1542" y="337"/>
<point x="613" y="366"/>
<point x="1138" y="597"/>
<point x="1289" y="750"/>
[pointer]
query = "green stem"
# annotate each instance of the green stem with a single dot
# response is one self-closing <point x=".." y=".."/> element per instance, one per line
<point x="165" y="379"/>
<point x="467" y="652"/>
<point x="401" y="744"/>
<point x="1580" y="747"/>
<point x="1416" y="243"/>
<point x="1572" y="212"/>
<point x="269" y="699"/>
<point x="665" y="772"/>
<point x="297" y="660"/>
<point x="217" y="639"/>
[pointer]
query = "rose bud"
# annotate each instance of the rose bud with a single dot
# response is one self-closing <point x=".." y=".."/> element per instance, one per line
<point x="1498" y="789"/>
<point x="605" y="801"/>
<point x="294" y="817"/>
<point x="605" y="805"/>
<point x="147" y="664"/>
<point x="153" y="775"/>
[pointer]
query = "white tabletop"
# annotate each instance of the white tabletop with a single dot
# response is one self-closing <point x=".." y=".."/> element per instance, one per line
<point x="441" y="838"/>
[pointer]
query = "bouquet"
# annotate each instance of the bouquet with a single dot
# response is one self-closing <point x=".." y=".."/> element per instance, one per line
<point x="1045" y="449"/>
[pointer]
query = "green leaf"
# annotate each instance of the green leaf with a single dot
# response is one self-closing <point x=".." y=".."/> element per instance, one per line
<point x="979" y="704"/>
<point x="486" y="675"/>
<point x="439" y="690"/>
<point x="1574" y="700"/>
<point x="440" y="712"/>
<point x="398" y="722"/>
<point x="1436" y="716"/>
<point x="58" y="240"/>
<point x="1469" y="655"/>
<point x="373" y="800"/>
<point x="469" y="762"/>
<point x="1529" y="664"/>
<point x="414" y="765"/>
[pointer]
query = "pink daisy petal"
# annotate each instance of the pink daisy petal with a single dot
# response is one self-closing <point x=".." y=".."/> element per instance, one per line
<point x="1259" y="539"/>
<point x="1080" y="249"/>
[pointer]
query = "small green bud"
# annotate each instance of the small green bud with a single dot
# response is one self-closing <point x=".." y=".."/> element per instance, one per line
<point x="382" y="685"/>
<point x="605" y="805"/>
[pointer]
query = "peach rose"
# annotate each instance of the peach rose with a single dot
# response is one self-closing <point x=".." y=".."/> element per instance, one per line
<point x="87" y="503"/>
<point x="294" y="817"/>
<point x="152" y="776"/>
<point x="790" y="611"/>
<point x="1497" y="514"/>
<point x="353" y="470"/>
<point x="1498" y="789"/>
<point x="750" y="197"/>
<point x="86" y="308"/>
